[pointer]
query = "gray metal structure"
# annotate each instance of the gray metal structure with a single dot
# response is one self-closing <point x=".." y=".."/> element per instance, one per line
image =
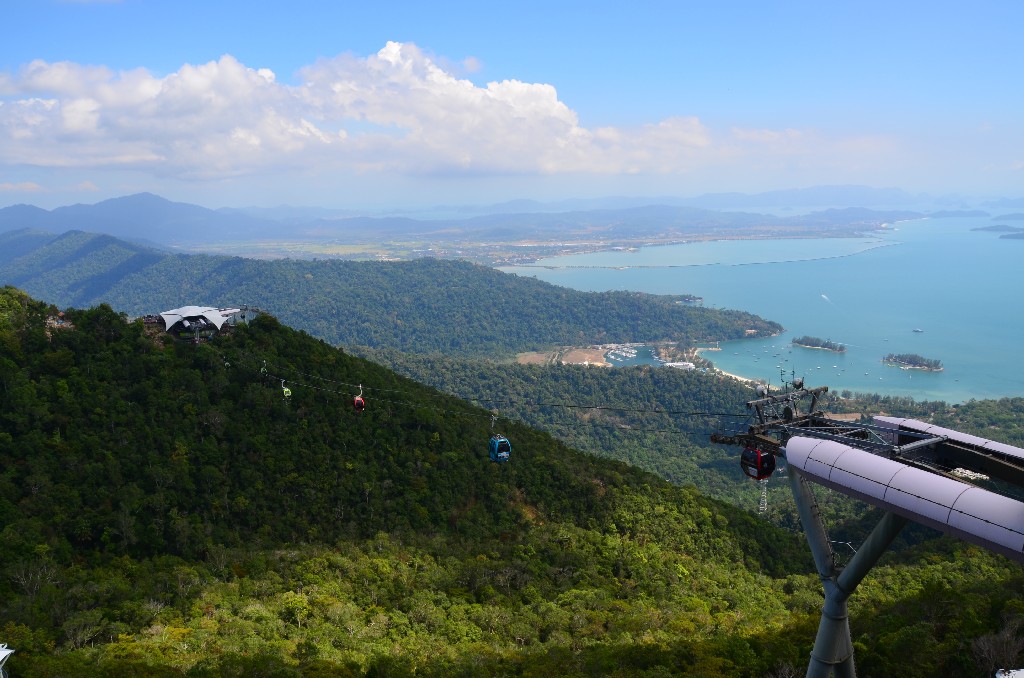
<point x="913" y="470"/>
<point x="5" y="652"/>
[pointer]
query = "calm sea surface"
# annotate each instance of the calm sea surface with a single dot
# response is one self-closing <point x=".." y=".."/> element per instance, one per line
<point x="963" y="288"/>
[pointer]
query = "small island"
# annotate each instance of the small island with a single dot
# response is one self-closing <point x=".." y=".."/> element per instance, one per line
<point x="999" y="228"/>
<point x="912" y="361"/>
<point x="815" y="342"/>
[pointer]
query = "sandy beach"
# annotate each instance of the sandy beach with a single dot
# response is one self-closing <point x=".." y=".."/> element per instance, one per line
<point x="745" y="380"/>
<point x="737" y="377"/>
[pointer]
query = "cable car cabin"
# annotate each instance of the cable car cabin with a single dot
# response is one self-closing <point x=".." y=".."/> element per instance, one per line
<point x="500" y="448"/>
<point x="757" y="464"/>
<point x="359" y="403"/>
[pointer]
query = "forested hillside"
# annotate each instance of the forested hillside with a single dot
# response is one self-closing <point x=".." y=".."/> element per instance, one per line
<point x="167" y="511"/>
<point x="418" y="306"/>
<point x="654" y="418"/>
<point x="660" y="420"/>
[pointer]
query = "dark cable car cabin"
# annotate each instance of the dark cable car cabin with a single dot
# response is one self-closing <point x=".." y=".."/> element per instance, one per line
<point x="757" y="464"/>
<point x="359" y="403"/>
<point x="500" y="448"/>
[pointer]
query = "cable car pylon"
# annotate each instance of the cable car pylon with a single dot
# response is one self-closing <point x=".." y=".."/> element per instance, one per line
<point x="910" y="469"/>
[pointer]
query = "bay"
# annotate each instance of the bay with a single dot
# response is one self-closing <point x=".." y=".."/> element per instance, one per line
<point x="961" y="287"/>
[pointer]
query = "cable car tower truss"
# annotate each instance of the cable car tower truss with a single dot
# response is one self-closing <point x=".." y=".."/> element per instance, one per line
<point x="961" y="484"/>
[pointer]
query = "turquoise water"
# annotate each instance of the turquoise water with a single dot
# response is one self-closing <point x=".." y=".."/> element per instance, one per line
<point x="643" y="355"/>
<point x="961" y="287"/>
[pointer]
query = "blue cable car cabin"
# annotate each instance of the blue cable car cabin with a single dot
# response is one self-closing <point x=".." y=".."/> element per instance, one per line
<point x="757" y="464"/>
<point x="500" y="448"/>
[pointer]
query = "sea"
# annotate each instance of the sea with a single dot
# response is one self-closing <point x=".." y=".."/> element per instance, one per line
<point x="935" y="287"/>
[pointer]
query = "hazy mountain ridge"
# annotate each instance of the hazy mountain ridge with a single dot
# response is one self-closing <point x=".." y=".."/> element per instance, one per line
<point x="149" y="217"/>
<point x="783" y="199"/>
<point x="142" y="215"/>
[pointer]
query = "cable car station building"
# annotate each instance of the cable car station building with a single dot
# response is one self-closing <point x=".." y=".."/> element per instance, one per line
<point x="197" y="323"/>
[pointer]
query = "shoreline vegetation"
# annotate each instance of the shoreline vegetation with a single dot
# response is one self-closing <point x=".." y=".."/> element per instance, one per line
<point x="596" y="356"/>
<point x="822" y="344"/>
<point x="912" y="361"/>
<point x="600" y="355"/>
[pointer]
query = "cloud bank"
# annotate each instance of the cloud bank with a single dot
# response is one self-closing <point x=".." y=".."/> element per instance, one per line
<point x="396" y="111"/>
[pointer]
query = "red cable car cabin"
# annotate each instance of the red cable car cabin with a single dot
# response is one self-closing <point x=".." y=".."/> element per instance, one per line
<point x="756" y="463"/>
<point x="359" y="403"/>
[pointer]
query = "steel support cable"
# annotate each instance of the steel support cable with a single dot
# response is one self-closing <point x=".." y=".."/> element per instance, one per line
<point x="527" y="403"/>
<point x="445" y="411"/>
<point x="621" y="427"/>
<point x="321" y="389"/>
<point x="636" y="410"/>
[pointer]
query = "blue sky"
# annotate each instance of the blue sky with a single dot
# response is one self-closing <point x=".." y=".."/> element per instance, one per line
<point x="401" y="104"/>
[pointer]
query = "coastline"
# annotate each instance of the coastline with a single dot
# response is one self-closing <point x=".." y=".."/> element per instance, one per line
<point x="818" y="348"/>
<point x="745" y="380"/>
<point x="907" y="366"/>
<point x="990" y="368"/>
<point x="534" y="263"/>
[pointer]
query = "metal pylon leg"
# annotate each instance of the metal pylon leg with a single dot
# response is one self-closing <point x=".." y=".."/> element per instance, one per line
<point x="833" y="648"/>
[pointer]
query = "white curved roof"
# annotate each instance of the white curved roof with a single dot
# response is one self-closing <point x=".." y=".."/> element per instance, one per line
<point x="215" y="316"/>
<point x="971" y="513"/>
<point x="966" y="438"/>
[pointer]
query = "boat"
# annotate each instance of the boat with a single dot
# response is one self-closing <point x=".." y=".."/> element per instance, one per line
<point x="918" y="329"/>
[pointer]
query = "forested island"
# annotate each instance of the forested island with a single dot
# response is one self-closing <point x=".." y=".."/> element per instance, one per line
<point x="815" y="342"/>
<point x="913" y="361"/>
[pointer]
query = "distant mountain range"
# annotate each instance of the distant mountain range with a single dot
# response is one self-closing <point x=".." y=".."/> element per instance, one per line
<point x="143" y="217"/>
<point x="780" y="200"/>
<point x="149" y="219"/>
<point x="784" y="200"/>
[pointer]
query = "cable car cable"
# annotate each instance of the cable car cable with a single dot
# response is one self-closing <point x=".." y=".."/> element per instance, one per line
<point x="609" y="408"/>
<point x="499" y="447"/>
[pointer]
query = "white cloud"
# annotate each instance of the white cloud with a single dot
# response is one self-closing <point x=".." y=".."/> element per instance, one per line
<point x="397" y="110"/>
<point x="20" y="187"/>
